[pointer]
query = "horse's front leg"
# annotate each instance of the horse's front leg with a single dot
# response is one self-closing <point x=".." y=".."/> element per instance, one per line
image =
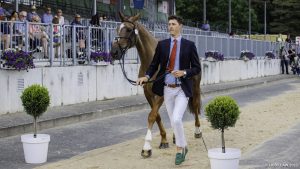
<point x="147" y="149"/>
<point x="154" y="116"/>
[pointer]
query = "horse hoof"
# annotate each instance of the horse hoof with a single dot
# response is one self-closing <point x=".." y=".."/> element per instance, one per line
<point x="146" y="153"/>
<point x="163" y="145"/>
<point x="198" y="135"/>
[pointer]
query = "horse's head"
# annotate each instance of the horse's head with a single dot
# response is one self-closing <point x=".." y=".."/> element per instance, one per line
<point x="127" y="34"/>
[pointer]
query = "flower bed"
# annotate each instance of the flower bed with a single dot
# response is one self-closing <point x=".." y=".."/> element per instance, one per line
<point x="17" y="60"/>
<point x="100" y="56"/>
<point x="214" y="56"/>
<point x="247" y="55"/>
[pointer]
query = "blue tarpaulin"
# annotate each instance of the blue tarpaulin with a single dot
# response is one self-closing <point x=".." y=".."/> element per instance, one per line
<point x="138" y="4"/>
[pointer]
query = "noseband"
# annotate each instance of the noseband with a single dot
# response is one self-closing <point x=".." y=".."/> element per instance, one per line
<point x="133" y="32"/>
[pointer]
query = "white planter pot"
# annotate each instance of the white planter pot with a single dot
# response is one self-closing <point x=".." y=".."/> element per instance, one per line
<point x="228" y="160"/>
<point x="35" y="149"/>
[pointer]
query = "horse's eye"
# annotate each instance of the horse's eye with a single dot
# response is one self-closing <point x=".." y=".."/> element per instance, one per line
<point x="129" y="30"/>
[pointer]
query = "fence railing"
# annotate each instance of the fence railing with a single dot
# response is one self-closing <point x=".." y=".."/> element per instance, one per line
<point x="72" y="45"/>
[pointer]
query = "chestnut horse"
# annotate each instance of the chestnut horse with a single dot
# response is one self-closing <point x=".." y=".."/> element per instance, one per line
<point x="130" y="34"/>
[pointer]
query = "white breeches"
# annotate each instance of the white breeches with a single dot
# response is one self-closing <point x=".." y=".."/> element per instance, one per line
<point x="176" y="103"/>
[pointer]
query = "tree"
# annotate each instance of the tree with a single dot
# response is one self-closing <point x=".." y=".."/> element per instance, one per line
<point x="217" y="13"/>
<point x="284" y="17"/>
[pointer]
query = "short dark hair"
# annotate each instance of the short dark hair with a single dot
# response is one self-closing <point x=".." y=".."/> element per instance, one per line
<point x="177" y="18"/>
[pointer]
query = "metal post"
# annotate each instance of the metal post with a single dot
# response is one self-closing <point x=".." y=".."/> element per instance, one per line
<point x="249" y="19"/>
<point x="229" y="16"/>
<point x="74" y="52"/>
<point x="50" y="53"/>
<point x="94" y="7"/>
<point x="89" y="44"/>
<point x="107" y="39"/>
<point x="17" y="5"/>
<point x="174" y="7"/>
<point x="26" y="35"/>
<point x="204" y="11"/>
<point x="265" y="19"/>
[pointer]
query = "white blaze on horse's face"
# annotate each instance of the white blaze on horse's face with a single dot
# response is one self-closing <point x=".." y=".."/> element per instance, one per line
<point x="121" y="27"/>
<point x="174" y="28"/>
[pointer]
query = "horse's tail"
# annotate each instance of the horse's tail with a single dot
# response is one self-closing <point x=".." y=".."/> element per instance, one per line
<point x="195" y="101"/>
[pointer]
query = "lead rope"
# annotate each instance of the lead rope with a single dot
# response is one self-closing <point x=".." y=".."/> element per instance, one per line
<point x="122" y="64"/>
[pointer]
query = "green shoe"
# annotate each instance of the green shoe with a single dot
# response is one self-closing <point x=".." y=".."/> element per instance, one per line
<point x="179" y="158"/>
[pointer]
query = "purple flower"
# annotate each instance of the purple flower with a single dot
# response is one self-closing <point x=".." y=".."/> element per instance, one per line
<point x="19" y="60"/>
<point x="247" y="54"/>
<point x="214" y="54"/>
<point x="101" y="56"/>
<point x="270" y="55"/>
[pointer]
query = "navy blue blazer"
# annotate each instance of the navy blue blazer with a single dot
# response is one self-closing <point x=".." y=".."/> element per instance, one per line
<point x="188" y="61"/>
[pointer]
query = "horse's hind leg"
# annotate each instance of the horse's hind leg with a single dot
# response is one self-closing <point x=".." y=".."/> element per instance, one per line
<point x="196" y="103"/>
<point x="163" y="143"/>
<point x="198" y="132"/>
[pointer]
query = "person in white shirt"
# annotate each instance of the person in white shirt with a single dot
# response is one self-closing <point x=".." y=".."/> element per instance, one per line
<point x="61" y="19"/>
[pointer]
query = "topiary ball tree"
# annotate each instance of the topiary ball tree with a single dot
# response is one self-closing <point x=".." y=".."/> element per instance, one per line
<point x="35" y="100"/>
<point x="222" y="112"/>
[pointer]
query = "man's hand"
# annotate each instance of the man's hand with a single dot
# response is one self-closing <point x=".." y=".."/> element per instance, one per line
<point x="178" y="73"/>
<point x="141" y="80"/>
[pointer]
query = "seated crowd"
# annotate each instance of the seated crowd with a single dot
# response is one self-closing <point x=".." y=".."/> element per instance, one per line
<point x="13" y="29"/>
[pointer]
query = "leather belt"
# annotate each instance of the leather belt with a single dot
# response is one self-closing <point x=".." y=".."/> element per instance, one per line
<point x="172" y="85"/>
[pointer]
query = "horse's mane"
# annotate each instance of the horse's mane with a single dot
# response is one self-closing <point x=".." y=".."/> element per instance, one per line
<point x="145" y="46"/>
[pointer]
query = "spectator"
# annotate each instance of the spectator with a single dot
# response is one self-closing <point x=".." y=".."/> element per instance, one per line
<point x="14" y="16"/>
<point x="288" y="39"/>
<point x="47" y="16"/>
<point x="79" y="30"/>
<point x="77" y="20"/>
<point x="79" y="35"/>
<point x="95" y="20"/>
<point x="56" y="36"/>
<point x="37" y="35"/>
<point x="231" y="34"/>
<point x="97" y="34"/>
<point x="3" y="12"/>
<point x="21" y="28"/>
<point x="104" y="17"/>
<point x="6" y="30"/>
<point x="292" y="56"/>
<point x="60" y="17"/>
<point x="32" y="14"/>
<point x="206" y="26"/>
<point x="284" y="60"/>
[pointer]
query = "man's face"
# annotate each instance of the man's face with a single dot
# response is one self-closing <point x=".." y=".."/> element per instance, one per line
<point x="174" y="27"/>
<point x="22" y="17"/>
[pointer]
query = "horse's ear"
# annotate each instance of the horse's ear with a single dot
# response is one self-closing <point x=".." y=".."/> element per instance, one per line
<point x="136" y="17"/>
<point x="122" y="17"/>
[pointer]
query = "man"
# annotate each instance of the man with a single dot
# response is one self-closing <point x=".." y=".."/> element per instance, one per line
<point x="32" y="13"/>
<point x="284" y="60"/>
<point x="179" y="57"/>
<point x="21" y="29"/>
<point x="47" y="16"/>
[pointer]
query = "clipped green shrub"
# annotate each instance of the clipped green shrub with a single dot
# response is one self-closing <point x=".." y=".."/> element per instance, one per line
<point x="222" y="112"/>
<point x="35" y="100"/>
